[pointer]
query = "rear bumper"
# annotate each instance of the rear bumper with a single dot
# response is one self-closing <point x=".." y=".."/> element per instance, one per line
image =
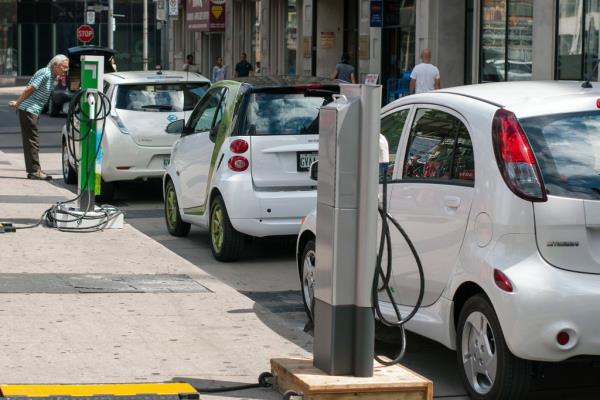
<point x="124" y="160"/>
<point x="546" y="301"/>
<point x="264" y="213"/>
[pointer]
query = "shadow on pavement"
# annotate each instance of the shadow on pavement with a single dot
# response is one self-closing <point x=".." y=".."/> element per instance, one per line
<point x="199" y="384"/>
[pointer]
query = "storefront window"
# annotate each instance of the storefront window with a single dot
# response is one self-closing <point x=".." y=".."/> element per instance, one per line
<point x="577" y="39"/>
<point x="8" y="38"/>
<point x="291" y="37"/>
<point x="506" y="40"/>
<point x="398" y="47"/>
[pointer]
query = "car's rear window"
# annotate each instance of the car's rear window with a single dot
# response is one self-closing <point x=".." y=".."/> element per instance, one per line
<point x="283" y="114"/>
<point x="567" y="148"/>
<point x="160" y="97"/>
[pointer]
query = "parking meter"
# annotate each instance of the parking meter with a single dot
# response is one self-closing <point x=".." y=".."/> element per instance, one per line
<point x="92" y="81"/>
<point x="346" y="243"/>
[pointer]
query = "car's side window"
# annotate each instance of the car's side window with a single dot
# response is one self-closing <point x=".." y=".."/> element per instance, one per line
<point x="464" y="166"/>
<point x="391" y="128"/>
<point x="439" y="148"/>
<point x="202" y="120"/>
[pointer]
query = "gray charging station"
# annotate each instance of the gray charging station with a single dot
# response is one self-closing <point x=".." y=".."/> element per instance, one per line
<point x="346" y="245"/>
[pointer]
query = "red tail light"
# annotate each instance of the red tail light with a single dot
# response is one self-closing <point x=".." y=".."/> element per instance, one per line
<point x="238" y="163"/>
<point x="502" y="281"/>
<point x="515" y="158"/>
<point x="238" y="146"/>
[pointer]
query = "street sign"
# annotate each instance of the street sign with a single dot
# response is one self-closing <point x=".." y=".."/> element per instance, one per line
<point x="90" y="17"/>
<point x="161" y="10"/>
<point x="85" y="33"/>
<point x="173" y="8"/>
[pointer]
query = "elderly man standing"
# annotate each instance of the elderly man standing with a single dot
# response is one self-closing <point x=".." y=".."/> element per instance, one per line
<point x="29" y="106"/>
<point x="424" y="76"/>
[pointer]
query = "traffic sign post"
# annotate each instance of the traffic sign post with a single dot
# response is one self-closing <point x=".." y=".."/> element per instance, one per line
<point x="85" y="33"/>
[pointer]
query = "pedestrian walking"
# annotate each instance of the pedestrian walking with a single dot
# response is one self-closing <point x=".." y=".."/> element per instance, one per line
<point x="344" y="71"/>
<point x="243" y="68"/>
<point x="424" y="76"/>
<point x="29" y="106"/>
<point x="190" y="65"/>
<point x="219" y="72"/>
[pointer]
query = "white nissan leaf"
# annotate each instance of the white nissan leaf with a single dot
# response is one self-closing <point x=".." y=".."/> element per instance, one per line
<point x="135" y="144"/>
<point x="498" y="187"/>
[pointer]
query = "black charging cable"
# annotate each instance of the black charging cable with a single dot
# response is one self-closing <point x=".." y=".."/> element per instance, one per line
<point x="382" y="276"/>
<point x="265" y="380"/>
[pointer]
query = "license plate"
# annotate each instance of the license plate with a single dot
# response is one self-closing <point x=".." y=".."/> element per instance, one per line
<point x="166" y="162"/>
<point x="305" y="159"/>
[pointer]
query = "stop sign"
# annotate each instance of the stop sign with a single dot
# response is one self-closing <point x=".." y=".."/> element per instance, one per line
<point x="85" y="33"/>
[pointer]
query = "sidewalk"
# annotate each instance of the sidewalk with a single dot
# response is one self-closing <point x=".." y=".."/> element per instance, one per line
<point x="58" y="329"/>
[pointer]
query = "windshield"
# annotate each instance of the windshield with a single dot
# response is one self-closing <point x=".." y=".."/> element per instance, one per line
<point x="160" y="97"/>
<point x="567" y="148"/>
<point x="283" y="114"/>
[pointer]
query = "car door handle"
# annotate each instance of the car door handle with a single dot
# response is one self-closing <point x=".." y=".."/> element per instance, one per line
<point x="452" y="201"/>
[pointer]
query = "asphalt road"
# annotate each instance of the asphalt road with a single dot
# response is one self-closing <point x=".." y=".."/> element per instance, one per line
<point x="267" y="274"/>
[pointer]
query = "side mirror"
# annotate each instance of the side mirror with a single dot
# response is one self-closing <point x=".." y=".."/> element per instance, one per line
<point x="175" y="127"/>
<point x="314" y="171"/>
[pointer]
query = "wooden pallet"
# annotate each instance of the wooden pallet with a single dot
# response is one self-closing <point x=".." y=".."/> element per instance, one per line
<point x="387" y="383"/>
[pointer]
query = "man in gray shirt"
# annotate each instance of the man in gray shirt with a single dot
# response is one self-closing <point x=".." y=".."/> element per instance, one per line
<point x="344" y="71"/>
<point x="29" y="106"/>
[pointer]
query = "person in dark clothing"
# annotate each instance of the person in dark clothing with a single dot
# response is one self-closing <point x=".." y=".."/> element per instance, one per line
<point x="243" y="68"/>
<point x="344" y="71"/>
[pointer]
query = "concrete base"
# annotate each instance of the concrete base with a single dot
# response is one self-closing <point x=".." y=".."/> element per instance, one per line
<point x="395" y="382"/>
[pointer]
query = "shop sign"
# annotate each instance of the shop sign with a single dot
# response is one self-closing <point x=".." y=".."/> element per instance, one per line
<point x="376" y="14"/>
<point x="327" y="40"/>
<point x="173" y="8"/>
<point x="205" y="15"/>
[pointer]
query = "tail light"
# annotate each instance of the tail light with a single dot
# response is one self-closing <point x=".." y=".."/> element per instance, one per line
<point x="502" y="281"/>
<point x="238" y="146"/>
<point x="238" y="163"/>
<point x="515" y="158"/>
<point x="115" y="117"/>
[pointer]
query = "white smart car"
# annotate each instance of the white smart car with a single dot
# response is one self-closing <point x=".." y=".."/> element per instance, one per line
<point x="135" y="145"/>
<point x="241" y="165"/>
<point x="498" y="186"/>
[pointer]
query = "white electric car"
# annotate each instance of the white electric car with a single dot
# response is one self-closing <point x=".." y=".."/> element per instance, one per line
<point x="135" y="145"/>
<point x="241" y="164"/>
<point x="498" y="186"/>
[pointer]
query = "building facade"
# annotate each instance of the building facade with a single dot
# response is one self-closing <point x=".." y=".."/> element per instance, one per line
<point x="33" y="31"/>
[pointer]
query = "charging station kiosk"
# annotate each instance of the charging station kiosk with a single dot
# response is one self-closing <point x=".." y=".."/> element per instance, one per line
<point x="347" y="199"/>
<point x="92" y="80"/>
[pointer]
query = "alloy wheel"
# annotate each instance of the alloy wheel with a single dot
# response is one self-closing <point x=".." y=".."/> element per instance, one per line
<point x="479" y="353"/>
<point x="308" y="278"/>
<point x="216" y="229"/>
<point x="171" y="207"/>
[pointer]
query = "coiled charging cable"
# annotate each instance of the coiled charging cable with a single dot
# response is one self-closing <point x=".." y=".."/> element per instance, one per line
<point x="382" y="276"/>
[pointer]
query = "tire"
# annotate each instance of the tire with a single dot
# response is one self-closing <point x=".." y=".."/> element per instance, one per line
<point x="175" y="225"/>
<point x="107" y="192"/>
<point x="225" y="242"/>
<point x="69" y="173"/>
<point x="307" y="272"/>
<point x="479" y="355"/>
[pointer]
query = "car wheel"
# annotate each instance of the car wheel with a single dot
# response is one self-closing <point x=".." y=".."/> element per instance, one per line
<point x="107" y="191"/>
<point x="307" y="272"/>
<point x="175" y="225"/>
<point x="226" y="243"/>
<point x="488" y="369"/>
<point x="69" y="173"/>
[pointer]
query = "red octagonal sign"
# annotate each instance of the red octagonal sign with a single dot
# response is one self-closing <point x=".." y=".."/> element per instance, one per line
<point x="85" y="33"/>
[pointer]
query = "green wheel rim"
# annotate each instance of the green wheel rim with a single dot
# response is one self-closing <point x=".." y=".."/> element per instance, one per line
<point x="216" y="227"/>
<point x="171" y="207"/>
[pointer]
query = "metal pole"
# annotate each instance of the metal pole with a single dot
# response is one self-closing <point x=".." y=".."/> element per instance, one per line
<point x="145" y="34"/>
<point x="111" y="24"/>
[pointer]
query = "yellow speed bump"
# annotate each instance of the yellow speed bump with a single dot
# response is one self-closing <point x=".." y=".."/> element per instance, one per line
<point x="153" y="389"/>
